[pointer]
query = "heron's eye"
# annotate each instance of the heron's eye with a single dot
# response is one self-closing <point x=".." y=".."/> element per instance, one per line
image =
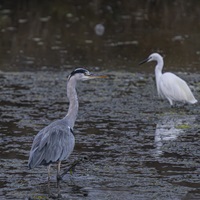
<point x="87" y="73"/>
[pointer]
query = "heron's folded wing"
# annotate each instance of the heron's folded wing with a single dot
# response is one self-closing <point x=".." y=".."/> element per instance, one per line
<point x="50" y="145"/>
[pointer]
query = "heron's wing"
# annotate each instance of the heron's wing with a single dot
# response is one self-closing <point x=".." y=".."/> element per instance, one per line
<point x="34" y="157"/>
<point x="59" y="146"/>
<point x="175" y="88"/>
<point x="51" y="144"/>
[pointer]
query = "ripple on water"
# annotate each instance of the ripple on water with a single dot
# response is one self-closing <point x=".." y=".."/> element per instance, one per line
<point x="138" y="147"/>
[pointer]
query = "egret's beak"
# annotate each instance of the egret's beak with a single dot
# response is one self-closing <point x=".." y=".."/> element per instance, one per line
<point x="93" y="76"/>
<point x="144" y="61"/>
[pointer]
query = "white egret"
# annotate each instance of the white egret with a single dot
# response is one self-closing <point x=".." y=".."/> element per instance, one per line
<point x="168" y="84"/>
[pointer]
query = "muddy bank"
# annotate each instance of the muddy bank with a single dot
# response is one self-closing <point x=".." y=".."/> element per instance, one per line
<point x="138" y="146"/>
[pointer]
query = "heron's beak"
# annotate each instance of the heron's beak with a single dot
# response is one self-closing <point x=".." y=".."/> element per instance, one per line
<point x="93" y="76"/>
<point x="144" y="61"/>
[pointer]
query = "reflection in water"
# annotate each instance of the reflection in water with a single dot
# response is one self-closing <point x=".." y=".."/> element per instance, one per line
<point x="43" y="34"/>
<point x="168" y="129"/>
<point x="99" y="29"/>
<point x="57" y="190"/>
<point x="119" y="137"/>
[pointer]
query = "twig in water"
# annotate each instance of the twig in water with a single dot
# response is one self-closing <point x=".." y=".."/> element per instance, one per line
<point x="73" y="165"/>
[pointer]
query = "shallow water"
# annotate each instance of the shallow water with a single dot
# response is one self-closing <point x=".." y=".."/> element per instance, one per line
<point x="138" y="147"/>
<point x="60" y="35"/>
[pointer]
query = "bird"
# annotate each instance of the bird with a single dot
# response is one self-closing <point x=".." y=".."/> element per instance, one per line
<point x="169" y="85"/>
<point x="55" y="142"/>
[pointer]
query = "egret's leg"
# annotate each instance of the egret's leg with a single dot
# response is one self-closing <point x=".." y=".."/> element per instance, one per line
<point x="58" y="171"/>
<point x="170" y="101"/>
<point x="49" y="172"/>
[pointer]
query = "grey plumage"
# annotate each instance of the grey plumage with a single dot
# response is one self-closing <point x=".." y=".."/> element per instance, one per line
<point x="52" y="144"/>
<point x="56" y="141"/>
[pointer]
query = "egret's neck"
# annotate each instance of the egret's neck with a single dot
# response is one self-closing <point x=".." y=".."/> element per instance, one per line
<point x="158" y="69"/>
<point x="73" y="103"/>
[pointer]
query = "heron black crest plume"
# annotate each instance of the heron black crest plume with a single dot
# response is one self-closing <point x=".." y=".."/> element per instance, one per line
<point x="77" y="71"/>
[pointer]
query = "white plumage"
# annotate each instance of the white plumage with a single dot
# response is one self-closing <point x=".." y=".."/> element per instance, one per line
<point x="169" y="85"/>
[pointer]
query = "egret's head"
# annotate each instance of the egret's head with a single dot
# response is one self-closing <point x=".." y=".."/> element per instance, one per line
<point x="152" y="57"/>
<point x="83" y="74"/>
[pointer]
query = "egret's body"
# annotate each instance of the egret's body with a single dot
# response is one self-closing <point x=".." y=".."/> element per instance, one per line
<point x="169" y="85"/>
<point x="55" y="142"/>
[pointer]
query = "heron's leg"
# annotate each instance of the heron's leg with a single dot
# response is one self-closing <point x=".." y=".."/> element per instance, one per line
<point x="49" y="172"/>
<point x="58" y="171"/>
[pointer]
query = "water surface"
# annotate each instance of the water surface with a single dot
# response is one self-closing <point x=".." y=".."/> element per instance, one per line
<point x="137" y="145"/>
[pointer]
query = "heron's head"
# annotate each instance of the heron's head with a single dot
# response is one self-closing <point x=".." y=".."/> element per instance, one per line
<point x="152" y="57"/>
<point x="83" y="74"/>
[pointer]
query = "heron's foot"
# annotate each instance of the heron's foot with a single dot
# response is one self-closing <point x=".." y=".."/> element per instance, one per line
<point x="72" y="169"/>
<point x="59" y="177"/>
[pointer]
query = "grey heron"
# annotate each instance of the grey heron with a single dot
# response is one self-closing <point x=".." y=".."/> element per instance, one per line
<point x="55" y="142"/>
<point x="168" y="84"/>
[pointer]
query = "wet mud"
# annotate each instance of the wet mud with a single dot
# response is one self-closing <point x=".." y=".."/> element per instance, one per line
<point x="137" y="146"/>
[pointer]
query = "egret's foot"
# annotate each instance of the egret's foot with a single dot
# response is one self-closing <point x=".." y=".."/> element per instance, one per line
<point x="173" y="105"/>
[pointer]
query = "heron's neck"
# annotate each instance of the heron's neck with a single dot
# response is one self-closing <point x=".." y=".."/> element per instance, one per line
<point x="73" y="103"/>
<point x="158" y="69"/>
